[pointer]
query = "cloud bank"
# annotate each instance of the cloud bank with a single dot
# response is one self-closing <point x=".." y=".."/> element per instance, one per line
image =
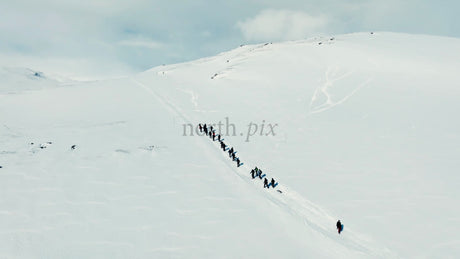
<point x="281" y="25"/>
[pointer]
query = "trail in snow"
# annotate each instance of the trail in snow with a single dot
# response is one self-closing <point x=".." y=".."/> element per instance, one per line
<point x="290" y="201"/>
<point x="193" y="97"/>
<point x="326" y="87"/>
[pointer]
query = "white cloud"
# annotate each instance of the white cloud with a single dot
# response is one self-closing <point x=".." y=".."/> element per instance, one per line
<point x="281" y="25"/>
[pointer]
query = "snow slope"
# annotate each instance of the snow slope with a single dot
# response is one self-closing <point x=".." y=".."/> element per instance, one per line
<point x="366" y="132"/>
<point x="18" y="79"/>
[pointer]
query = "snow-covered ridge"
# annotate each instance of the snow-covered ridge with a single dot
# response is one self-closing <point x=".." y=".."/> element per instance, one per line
<point x="18" y="79"/>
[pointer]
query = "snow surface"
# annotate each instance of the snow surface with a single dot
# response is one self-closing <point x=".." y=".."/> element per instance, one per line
<point x="367" y="132"/>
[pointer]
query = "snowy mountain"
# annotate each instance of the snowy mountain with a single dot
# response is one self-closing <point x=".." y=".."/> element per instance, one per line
<point x="359" y="127"/>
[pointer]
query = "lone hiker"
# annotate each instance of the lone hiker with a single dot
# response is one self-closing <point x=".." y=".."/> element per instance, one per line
<point x="339" y="226"/>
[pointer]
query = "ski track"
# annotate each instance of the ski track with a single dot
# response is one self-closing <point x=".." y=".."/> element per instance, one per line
<point x="293" y="203"/>
<point x="193" y="97"/>
<point x="324" y="89"/>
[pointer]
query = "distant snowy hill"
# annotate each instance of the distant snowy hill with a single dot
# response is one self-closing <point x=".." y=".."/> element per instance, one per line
<point x="18" y="79"/>
<point x="358" y="127"/>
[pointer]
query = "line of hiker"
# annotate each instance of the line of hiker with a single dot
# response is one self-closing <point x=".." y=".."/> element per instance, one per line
<point x="209" y="131"/>
<point x="256" y="172"/>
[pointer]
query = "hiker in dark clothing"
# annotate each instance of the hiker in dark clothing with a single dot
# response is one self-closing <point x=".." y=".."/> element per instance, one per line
<point x="253" y="173"/>
<point x="260" y="174"/>
<point x="273" y="183"/>
<point x="233" y="156"/>
<point x="201" y="127"/>
<point x="238" y="162"/>
<point x="231" y="150"/>
<point x="218" y="137"/>
<point x="205" y="129"/>
<point x="339" y="226"/>
<point x="213" y="136"/>
<point x="266" y="183"/>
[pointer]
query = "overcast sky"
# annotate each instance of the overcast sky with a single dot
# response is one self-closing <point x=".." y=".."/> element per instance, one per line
<point x="97" y="38"/>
